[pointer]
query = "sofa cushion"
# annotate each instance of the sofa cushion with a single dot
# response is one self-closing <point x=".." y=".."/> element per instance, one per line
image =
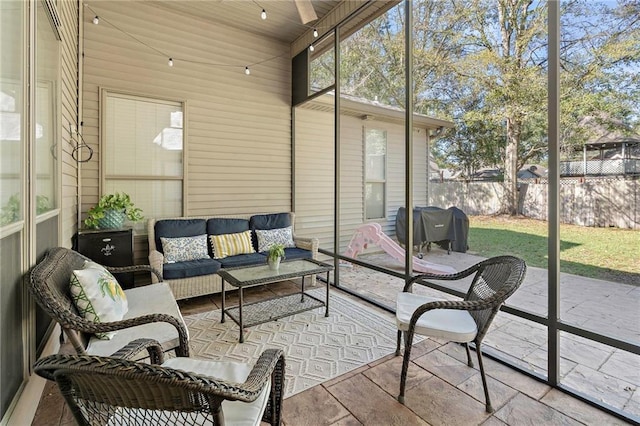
<point x="219" y="225"/>
<point x="172" y="228"/>
<point x="297" y="253"/>
<point x="270" y="221"/>
<point x="184" y="248"/>
<point x="267" y="221"/>
<point x="243" y="260"/>
<point x="190" y="268"/>
<point x="293" y="253"/>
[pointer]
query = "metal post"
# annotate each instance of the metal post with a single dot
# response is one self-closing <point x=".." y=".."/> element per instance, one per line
<point x="408" y="132"/>
<point x="336" y="171"/>
<point x="553" y="367"/>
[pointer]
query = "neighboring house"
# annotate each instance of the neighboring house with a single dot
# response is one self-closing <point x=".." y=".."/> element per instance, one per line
<point x="609" y="152"/>
<point x="619" y="156"/>
<point x="372" y="156"/>
<point x="489" y="174"/>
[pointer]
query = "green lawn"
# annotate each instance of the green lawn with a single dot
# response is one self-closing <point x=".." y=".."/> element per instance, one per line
<point x="606" y="253"/>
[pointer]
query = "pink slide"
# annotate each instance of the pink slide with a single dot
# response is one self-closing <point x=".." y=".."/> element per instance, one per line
<point x="371" y="233"/>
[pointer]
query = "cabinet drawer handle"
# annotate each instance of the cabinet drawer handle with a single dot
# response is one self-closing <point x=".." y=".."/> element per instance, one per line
<point x="106" y="240"/>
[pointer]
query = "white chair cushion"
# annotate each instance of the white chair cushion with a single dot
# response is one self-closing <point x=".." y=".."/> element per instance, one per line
<point x="451" y="324"/>
<point x="236" y="413"/>
<point x="150" y="299"/>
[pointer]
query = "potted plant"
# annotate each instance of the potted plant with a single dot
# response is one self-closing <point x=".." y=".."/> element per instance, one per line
<point x="111" y="212"/>
<point x="276" y="254"/>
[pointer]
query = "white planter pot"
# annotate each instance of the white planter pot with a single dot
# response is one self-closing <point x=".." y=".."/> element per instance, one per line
<point x="274" y="264"/>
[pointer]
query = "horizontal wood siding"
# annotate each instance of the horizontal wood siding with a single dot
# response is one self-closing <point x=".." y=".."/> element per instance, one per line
<point x="351" y="177"/>
<point x="314" y="190"/>
<point x="69" y="112"/>
<point x="314" y="175"/>
<point x="237" y="127"/>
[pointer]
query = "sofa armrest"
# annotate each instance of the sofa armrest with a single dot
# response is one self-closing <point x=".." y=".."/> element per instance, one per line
<point x="307" y="244"/>
<point x="156" y="259"/>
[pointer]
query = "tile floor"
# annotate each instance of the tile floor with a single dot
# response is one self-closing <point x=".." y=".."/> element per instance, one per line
<point x="600" y="371"/>
<point x="441" y="390"/>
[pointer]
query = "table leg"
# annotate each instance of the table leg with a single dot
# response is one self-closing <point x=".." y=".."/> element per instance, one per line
<point x="241" y="340"/>
<point x="302" y="292"/>
<point x="326" y="311"/>
<point x="222" y="303"/>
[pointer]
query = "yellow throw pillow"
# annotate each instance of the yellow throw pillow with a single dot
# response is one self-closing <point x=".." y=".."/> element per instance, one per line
<point x="231" y="244"/>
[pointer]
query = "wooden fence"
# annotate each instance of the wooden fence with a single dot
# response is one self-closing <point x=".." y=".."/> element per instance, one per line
<point x="597" y="202"/>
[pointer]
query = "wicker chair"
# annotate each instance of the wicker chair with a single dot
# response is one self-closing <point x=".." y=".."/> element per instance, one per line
<point x="153" y="311"/>
<point x="185" y="391"/>
<point x="458" y="321"/>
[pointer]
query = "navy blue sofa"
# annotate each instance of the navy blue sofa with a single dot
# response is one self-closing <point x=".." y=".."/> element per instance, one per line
<point x="199" y="277"/>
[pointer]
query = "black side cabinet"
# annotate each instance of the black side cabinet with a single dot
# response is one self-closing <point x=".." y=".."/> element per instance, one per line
<point x="109" y="247"/>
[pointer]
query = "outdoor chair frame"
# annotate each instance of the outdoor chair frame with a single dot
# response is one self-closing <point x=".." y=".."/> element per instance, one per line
<point x="495" y="280"/>
<point x="113" y="390"/>
<point x="49" y="285"/>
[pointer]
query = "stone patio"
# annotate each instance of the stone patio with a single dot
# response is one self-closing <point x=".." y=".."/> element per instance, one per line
<point x="441" y="389"/>
<point x="607" y="374"/>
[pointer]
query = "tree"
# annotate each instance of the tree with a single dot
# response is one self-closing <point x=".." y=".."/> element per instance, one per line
<point x="483" y="64"/>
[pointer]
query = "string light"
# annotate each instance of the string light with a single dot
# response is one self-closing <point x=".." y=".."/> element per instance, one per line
<point x="311" y="48"/>
<point x="263" y="15"/>
<point x="315" y="32"/>
<point x="247" y="70"/>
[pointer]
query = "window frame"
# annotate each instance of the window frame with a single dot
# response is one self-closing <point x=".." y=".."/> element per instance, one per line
<point x="366" y="180"/>
<point x="105" y="93"/>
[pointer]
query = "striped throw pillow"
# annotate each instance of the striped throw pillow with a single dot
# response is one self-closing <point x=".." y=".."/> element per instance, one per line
<point x="231" y="244"/>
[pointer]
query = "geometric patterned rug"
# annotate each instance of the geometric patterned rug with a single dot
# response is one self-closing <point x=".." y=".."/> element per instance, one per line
<point x="317" y="348"/>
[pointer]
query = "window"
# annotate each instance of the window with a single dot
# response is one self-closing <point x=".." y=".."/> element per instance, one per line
<point x="143" y="152"/>
<point x="45" y="151"/>
<point x="11" y="145"/>
<point x="375" y="171"/>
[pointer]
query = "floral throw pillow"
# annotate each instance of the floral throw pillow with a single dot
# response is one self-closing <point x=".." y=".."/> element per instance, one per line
<point x="268" y="237"/>
<point x="98" y="296"/>
<point x="182" y="249"/>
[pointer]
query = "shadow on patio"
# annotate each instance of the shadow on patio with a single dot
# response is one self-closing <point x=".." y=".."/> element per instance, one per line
<point x="442" y="389"/>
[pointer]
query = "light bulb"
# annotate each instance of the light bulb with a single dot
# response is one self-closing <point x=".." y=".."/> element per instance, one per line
<point x="96" y="19"/>
<point x="247" y="71"/>
<point x="263" y="15"/>
<point x="311" y="48"/>
<point x="170" y="62"/>
<point x="315" y="32"/>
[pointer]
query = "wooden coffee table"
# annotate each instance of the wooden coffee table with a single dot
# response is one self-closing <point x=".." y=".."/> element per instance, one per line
<point x="250" y="314"/>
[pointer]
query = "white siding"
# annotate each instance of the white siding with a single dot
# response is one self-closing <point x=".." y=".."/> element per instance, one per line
<point x="237" y="127"/>
<point x="69" y="112"/>
<point x="314" y="174"/>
